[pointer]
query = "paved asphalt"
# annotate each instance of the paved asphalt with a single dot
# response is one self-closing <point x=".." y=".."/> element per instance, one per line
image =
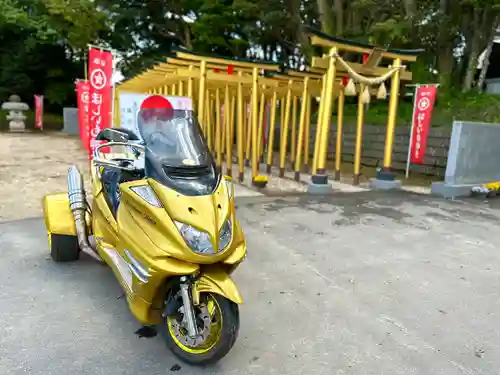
<point x="359" y="283"/>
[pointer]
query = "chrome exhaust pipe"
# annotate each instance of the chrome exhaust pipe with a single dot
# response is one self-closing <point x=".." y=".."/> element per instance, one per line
<point x="78" y="206"/>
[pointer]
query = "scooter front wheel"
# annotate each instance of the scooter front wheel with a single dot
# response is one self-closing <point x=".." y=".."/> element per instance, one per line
<point x="218" y="324"/>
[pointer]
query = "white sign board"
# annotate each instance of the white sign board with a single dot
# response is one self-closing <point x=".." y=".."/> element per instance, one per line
<point x="131" y="103"/>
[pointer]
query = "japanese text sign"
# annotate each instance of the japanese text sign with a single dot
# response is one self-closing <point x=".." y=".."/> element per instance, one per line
<point x="424" y="103"/>
<point x="100" y="93"/>
<point x="82" y="93"/>
<point x="39" y="112"/>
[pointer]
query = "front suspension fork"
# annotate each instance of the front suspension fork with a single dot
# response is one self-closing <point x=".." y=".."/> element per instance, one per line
<point x="189" y="315"/>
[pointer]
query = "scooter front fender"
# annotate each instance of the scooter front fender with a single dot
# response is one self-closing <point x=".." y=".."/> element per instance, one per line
<point x="216" y="280"/>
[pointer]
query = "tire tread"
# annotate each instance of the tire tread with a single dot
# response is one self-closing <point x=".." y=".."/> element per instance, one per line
<point x="64" y="248"/>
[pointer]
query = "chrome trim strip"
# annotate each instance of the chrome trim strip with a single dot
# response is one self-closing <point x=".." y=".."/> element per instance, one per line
<point x="117" y="259"/>
<point x="137" y="274"/>
<point x="138" y="270"/>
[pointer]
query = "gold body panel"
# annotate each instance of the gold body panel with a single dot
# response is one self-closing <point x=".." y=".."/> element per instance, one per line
<point x="145" y="238"/>
<point x="58" y="216"/>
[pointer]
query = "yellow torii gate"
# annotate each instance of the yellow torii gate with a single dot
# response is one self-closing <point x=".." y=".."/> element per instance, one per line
<point x="366" y="74"/>
<point x="198" y="76"/>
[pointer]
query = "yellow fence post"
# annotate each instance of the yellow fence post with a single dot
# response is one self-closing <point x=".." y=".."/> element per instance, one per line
<point x="302" y="125"/>
<point x="321" y="177"/>
<point x="218" y="125"/>
<point x="359" y="137"/>
<point x="255" y="99"/>
<point x="229" y="147"/>
<point x="201" y="92"/>
<point x="282" y="115"/>
<point x="248" y="134"/>
<point x="240" y="131"/>
<point x="391" y="120"/>
<point x="226" y="132"/>
<point x="340" y="123"/>
<point x="208" y="120"/>
<point x="293" y="141"/>
<point x="272" y="126"/>
<point x="284" y="133"/>
<point x="225" y="125"/>
<point x="307" y="132"/>
<point x="190" y="84"/>
<point x="261" y="123"/>
<point x="319" y="119"/>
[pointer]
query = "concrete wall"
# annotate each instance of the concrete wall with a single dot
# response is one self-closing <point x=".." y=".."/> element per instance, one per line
<point x="70" y="116"/>
<point x="474" y="156"/>
<point x="493" y="86"/>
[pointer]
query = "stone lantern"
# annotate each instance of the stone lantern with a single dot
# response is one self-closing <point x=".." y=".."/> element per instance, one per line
<point x="15" y="116"/>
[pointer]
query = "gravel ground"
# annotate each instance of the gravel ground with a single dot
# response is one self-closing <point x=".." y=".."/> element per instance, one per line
<point x="32" y="165"/>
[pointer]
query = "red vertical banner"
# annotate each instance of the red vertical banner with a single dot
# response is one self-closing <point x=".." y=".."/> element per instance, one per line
<point x="100" y="93"/>
<point x="422" y="113"/>
<point x="82" y="100"/>
<point x="39" y="112"/>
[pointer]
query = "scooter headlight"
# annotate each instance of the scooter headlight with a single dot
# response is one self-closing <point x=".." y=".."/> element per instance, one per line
<point x="197" y="240"/>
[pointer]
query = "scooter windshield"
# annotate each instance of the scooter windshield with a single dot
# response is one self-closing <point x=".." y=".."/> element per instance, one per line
<point x="176" y="152"/>
<point x="174" y="137"/>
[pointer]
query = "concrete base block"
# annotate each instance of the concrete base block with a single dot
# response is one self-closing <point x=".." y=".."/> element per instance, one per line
<point x="17" y="126"/>
<point x="451" y="191"/>
<point x="319" y="189"/>
<point x="385" y="184"/>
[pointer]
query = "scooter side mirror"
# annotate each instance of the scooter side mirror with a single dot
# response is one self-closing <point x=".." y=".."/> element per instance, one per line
<point x="116" y="135"/>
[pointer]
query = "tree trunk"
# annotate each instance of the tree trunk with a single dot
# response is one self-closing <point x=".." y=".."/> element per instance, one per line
<point x="305" y="47"/>
<point x="446" y="60"/>
<point x="339" y="17"/>
<point x="471" y="65"/>
<point x="473" y="42"/>
<point x="187" y="37"/>
<point x="483" y="25"/>
<point x="486" y="60"/>
<point x="410" y="10"/>
<point x="325" y="16"/>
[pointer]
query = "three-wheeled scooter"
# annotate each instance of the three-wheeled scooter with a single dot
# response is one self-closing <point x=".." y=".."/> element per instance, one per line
<point x="163" y="218"/>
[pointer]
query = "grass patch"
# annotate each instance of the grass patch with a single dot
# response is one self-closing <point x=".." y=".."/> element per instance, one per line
<point x="50" y="121"/>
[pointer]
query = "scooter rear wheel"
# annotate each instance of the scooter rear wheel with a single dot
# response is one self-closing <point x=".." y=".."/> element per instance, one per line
<point x="223" y="331"/>
<point x="63" y="248"/>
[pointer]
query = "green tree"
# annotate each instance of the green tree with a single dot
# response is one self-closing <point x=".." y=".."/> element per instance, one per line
<point x="42" y="45"/>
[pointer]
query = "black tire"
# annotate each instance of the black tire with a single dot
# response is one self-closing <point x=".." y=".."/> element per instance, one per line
<point x="64" y="248"/>
<point x="229" y="334"/>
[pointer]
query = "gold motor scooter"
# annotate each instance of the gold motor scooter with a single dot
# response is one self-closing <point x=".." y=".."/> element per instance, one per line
<point x="163" y="218"/>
